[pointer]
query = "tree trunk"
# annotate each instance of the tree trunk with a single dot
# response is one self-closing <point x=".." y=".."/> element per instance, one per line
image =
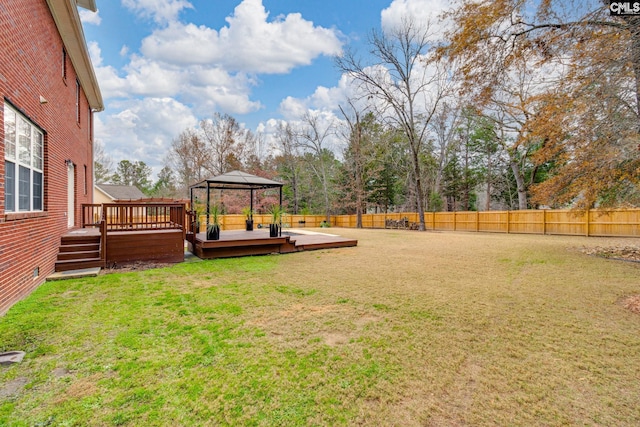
<point x="488" y="203"/>
<point x="418" y="179"/>
<point x="520" y="184"/>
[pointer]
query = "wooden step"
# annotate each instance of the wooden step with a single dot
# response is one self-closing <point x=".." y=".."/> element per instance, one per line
<point x="79" y="239"/>
<point x="68" y="255"/>
<point x="78" y="264"/>
<point x="80" y="247"/>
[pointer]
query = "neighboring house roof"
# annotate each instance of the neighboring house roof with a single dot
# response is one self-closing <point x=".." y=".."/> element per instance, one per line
<point x="67" y="19"/>
<point x="88" y="4"/>
<point x="121" y="192"/>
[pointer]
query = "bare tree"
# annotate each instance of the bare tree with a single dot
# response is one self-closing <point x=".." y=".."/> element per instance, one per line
<point x="102" y="164"/>
<point x="229" y="143"/>
<point x="408" y="81"/>
<point x="289" y="160"/>
<point x="444" y="128"/>
<point x="189" y="157"/>
<point x="313" y="137"/>
<point x="355" y="148"/>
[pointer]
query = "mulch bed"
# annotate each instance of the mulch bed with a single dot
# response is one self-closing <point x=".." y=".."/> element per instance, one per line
<point x="631" y="303"/>
<point x="620" y="253"/>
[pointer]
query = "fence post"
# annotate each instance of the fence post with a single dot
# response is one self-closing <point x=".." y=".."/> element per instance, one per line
<point x="544" y="222"/>
<point x="508" y="226"/>
<point x="477" y="221"/>
<point x="454" y="220"/>
<point x="586" y="223"/>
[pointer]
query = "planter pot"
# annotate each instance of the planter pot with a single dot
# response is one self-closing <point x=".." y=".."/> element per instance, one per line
<point x="273" y="230"/>
<point x="213" y="232"/>
<point x="249" y="224"/>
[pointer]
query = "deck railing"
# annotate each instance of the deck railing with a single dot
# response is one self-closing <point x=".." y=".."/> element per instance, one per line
<point x="91" y="215"/>
<point x="131" y="216"/>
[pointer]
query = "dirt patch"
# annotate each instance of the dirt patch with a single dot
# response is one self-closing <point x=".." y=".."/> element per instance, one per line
<point x="13" y="387"/>
<point x="631" y="303"/>
<point x="79" y="389"/>
<point x="623" y="253"/>
<point x="305" y="311"/>
<point x="60" y="372"/>
<point x="334" y="339"/>
<point x="135" y="266"/>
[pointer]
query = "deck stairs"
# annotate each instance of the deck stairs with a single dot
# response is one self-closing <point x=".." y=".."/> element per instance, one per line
<point x="79" y="249"/>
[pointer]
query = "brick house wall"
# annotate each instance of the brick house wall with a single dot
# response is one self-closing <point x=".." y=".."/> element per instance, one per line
<point x="33" y="65"/>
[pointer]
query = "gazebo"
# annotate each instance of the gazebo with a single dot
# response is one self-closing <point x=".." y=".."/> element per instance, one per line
<point x="235" y="180"/>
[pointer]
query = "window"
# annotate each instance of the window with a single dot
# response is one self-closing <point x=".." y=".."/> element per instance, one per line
<point x="23" y="163"/>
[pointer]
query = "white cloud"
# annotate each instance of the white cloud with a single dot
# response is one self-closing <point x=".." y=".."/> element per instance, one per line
<point x="89" y="17"/>
<point x="424" y="12"/>
<point x="250" y="43"/>
<point x="326" y="99"/>
<point x="150" y="78"/>
<point x="160" y="11"/>
<point x="293" y="108"/>
<point x="213" y="70"/>
<point x="143" y="129"/>
<point x="95" y="53"/>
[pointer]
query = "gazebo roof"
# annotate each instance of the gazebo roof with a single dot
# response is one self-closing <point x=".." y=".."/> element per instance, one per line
<point x="237" y="180"/>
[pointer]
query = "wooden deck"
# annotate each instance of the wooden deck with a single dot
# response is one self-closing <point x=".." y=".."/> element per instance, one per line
<point x="83" y="248"/>
<point x="236" y="243"/>
<point x="126" y="247"/>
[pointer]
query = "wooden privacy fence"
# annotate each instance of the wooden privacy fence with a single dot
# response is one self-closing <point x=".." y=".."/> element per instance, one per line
<point x="619" y="222"/>
<point x="616" y="223"/>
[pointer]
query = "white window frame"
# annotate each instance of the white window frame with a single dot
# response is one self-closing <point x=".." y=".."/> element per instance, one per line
<point x="24" y="149"/>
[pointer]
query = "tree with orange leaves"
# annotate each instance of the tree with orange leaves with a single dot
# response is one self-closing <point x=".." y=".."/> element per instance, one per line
<point x="584" y="119"/>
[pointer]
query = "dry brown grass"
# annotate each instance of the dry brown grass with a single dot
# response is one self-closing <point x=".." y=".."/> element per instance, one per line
<point x="479" y="329"/>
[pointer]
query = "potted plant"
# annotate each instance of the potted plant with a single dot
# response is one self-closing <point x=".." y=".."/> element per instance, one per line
<point x="213" y="229"/>
<point x="276" y="213"/>
<point x="248" y="213"/>
<point x="198" y="211"/>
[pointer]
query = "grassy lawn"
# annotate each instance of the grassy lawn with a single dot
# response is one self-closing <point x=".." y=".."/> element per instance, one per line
<point x="406" y="329"/>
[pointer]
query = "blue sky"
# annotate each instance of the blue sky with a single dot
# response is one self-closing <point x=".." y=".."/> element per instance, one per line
<point x="163" y="65"/>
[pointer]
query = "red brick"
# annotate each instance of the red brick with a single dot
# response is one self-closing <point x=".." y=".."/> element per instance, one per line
<point x="31" y="66"/>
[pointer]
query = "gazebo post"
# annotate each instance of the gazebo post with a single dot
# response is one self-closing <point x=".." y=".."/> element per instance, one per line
<point x="208" y="197"/>
<point x="251" y="204"/>
<point x="280" y="232"/>
<point x="193" y="209"/>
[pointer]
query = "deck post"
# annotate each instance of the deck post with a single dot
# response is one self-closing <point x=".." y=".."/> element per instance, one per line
<point x="103" y="242"/>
